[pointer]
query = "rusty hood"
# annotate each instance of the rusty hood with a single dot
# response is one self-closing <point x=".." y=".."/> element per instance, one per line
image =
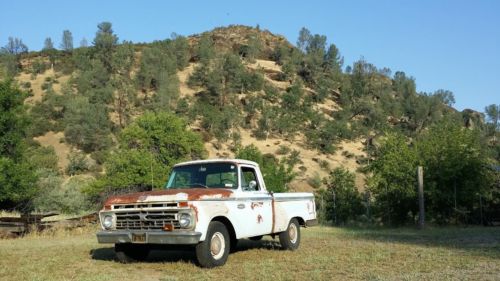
<point x="169" y="195"/>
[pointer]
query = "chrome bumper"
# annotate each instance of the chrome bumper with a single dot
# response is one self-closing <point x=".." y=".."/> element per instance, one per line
<point x="151" y="237"/>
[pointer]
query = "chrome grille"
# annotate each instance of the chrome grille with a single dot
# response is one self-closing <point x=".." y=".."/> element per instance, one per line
<point x="146" y="220"/>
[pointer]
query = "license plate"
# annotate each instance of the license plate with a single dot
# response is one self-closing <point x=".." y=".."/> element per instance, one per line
<point x="139" y="238"/>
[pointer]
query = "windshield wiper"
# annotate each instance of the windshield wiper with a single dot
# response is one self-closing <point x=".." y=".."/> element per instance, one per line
<point x="198" y="184"/>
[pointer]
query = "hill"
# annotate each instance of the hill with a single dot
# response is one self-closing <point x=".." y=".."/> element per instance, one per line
<point x="230" y="39"/>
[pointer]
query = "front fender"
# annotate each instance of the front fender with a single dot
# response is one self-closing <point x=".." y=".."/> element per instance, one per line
<point x="206" y="211"/>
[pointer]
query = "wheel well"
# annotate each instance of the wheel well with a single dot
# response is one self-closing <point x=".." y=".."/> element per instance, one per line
<point x="301" y="221"/>
<point x="228" y="225"/>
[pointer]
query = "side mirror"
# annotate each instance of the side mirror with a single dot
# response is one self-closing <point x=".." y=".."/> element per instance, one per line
<point x="252" y="185"/>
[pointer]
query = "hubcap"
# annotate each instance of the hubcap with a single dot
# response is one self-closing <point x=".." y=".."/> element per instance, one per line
<point x="292" y="233"/>
<point x="217" y="245"/>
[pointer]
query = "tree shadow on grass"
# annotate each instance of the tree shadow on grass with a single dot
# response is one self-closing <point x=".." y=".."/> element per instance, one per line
<point x="183" y="254"/>
<point x="484" y="241"/>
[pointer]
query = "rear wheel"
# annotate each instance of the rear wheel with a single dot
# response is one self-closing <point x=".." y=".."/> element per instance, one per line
<point x="127" y="252"/>
<point x="215" y="249"/>
<point x="290" y="238"/>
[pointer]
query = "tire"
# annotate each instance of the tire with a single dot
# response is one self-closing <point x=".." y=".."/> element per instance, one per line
<point x="127" y="252"/>
<point x="290" y="238"/>
<point x="215" y="249"/>
<point x="256" y="238"/>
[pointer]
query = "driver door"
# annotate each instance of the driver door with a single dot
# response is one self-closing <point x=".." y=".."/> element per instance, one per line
<point x="254" y="208"/>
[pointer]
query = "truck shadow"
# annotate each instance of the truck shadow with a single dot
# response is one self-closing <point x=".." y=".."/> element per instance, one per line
<point x="246" y="245"/>
<point x="184" y="255"/>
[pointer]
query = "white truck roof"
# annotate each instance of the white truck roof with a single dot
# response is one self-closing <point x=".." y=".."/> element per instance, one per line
<point x="228" y="160"/>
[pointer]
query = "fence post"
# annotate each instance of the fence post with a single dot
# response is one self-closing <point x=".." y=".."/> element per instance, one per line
<point x="420" y="176"/>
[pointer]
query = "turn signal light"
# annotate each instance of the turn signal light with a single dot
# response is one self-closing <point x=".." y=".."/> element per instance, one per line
<point x="168" y="227"/>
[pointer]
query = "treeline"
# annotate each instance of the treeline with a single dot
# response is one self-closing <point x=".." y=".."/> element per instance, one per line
<point x="461" y="181"/>
<point x="122" y="112"/>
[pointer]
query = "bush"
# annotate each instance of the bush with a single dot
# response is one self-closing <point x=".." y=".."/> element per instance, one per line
<point x="283" y="149"/>
<point x="43" y="157"/>
<point x="315" y="181"/>
<point x="65" y="197"/>
<point x="77" y="164"/>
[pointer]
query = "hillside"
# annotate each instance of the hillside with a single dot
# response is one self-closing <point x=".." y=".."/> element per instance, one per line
<point x="225" y="39"/>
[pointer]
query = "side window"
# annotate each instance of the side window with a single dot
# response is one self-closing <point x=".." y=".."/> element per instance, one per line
<point x="248" y="175"/>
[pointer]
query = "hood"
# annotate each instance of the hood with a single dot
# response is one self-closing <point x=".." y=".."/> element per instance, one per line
<point x="188" y="194"/>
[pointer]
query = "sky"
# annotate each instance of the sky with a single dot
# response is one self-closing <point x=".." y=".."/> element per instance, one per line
<point x="443" y="44"/>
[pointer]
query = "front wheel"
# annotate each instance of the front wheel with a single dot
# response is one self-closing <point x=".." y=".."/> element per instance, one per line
<point x="215" y="249"/>
<point x="290" y="238"/>
<point x="127" y="252"/>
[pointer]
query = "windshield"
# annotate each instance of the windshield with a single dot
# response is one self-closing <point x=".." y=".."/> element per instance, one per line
<point x="209" y="175"/>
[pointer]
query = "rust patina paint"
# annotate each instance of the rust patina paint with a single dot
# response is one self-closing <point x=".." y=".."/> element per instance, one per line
<point x="193" y="194"/>
<point x="256" y="204"/>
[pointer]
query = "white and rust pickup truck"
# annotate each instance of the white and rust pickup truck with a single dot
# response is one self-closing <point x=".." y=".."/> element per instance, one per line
<point x="208" y="205"/>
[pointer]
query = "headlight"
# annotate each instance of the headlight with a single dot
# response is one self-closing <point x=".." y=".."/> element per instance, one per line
<point x="107" y="222"/>
<point x="185" y="220"/>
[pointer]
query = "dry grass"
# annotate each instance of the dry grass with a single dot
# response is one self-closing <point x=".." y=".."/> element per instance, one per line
<point x="325" y="254"/>
<point x="62" y="149"/>
<point x="310" y="158"/>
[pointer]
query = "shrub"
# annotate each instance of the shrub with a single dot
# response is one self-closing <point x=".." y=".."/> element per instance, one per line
<point x="77" y="164"/>
<point x="315" y="181"/>
<point x="283" y="149"/>
<point x="65" y="197"/>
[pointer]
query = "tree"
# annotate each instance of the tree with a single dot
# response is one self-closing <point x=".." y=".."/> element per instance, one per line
<point x="124" y="94"/>
<point x="67" y="41"/>
<point x="84" y="43"/>
<point x="10" y="55"/>
<point x="17" y="180"/>
<point x="456" y="170"/>
<point x="445" y="96"/>
<point x="343" y="202"/>
<point x="493" y="117"/>
<point x="149" y="147"/>
<point x="48" y="44"/>
<point x="304" y="38"/>
<point x="180" y="47"/>
<point x="333" y="60"/>
<point x="105" y="42"/>
<point x="15" y="46"/>
<point x="13" y="120"/>
<point x="87" y="124"/>
<point x="156" y="61"/>
<point x="277" y="173"/>
<point x="393" y="183"/>
<point x="205" y="49"/>
<point x="49" y="50"/>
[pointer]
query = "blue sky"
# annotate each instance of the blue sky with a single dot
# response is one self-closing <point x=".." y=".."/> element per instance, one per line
<point x="444" y="44"/>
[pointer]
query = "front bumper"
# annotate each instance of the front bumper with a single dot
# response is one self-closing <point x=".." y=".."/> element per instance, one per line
<point x="151" y="237"/>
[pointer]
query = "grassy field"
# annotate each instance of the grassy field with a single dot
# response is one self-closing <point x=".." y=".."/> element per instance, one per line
<point x="325" y="254"/>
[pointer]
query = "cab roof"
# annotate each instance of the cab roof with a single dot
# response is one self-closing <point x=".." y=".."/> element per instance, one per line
<point x="207" y="161"/>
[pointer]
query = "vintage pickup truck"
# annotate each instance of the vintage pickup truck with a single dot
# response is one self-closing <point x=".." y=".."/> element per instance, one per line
<point x="208" y="205"/>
